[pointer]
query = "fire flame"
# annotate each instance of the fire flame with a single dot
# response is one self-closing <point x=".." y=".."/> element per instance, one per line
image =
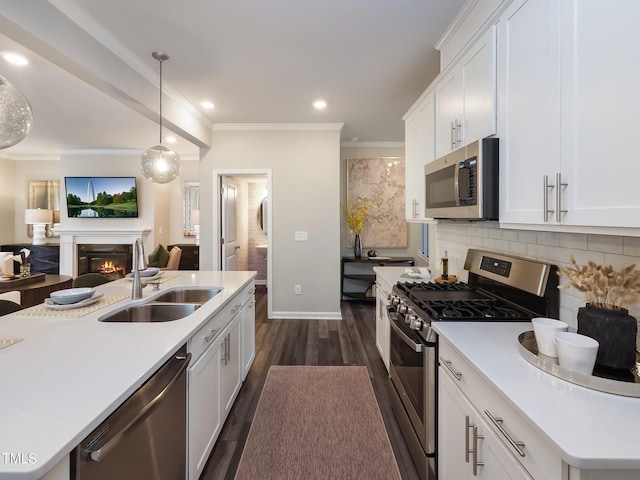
<point x="110" y="267"/>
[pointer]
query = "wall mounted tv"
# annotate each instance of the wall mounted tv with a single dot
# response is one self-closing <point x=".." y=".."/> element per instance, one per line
<point x="101" y="197"/>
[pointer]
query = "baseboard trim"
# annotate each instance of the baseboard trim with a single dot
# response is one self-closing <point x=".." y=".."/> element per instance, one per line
<point x="307" y="315"/>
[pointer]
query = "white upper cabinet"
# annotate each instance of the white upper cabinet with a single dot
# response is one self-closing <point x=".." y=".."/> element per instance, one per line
<point x="465" y="97"/>
<point x="529" y="112"/>
<point x="568" y="74"/>
<point x="419" y="149"/>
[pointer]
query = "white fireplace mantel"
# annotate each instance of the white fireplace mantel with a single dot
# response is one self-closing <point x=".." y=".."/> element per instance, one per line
<point x="70" y="238"/>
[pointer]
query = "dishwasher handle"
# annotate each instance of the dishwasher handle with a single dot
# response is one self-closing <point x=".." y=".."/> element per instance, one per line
<point x="96" y="454"/>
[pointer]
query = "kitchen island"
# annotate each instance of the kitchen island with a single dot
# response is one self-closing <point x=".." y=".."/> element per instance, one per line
<point x="568" y="431"/>
<point x="67" y="374"/>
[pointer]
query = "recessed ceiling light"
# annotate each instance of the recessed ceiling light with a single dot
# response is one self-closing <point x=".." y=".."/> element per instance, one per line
<point x="319" y="104"/>
<point x="15" y="58"/>
<point x="207" y="104"/>
<point x="170" y="139"/>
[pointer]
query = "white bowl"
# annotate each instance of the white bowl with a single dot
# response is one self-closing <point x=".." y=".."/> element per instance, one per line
<point x="149" y="272"/>
<point x="576" y="352"/>
<point x="71" y="295"/>
<point x="545" y="330"/>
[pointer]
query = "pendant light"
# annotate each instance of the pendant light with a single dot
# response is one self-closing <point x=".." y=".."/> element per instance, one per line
<point x="15" y="115"/>
<point x="160" y="164"/>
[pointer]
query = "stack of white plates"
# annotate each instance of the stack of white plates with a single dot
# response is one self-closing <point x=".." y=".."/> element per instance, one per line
<point x="72" y="295"/>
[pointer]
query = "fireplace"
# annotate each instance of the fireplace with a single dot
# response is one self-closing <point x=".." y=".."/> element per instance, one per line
<point x="113" y="261"/>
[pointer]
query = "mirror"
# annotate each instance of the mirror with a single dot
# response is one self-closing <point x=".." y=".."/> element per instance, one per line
<point x="262" y="215"/>
<point x="44" y="194"/>
<point x="191" y="207"/>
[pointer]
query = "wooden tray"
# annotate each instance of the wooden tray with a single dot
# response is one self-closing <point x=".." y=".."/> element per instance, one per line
<point x="14" y="282"/>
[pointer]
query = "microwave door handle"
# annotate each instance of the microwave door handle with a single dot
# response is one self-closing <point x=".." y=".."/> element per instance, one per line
<point x="456" y="184"/>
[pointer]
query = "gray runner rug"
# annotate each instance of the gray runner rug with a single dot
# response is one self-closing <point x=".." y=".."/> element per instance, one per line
<point x="317" y="423"/>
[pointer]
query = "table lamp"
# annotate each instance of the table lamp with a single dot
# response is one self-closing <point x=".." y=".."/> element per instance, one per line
<point x="39" y="218"/>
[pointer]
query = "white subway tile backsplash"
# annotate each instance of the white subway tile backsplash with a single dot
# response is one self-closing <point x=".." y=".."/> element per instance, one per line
<point x="607" y="244"/>
<point x="551" y="247"/>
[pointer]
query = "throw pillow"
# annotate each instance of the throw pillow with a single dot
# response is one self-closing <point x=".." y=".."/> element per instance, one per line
<point x="159" y="257"/>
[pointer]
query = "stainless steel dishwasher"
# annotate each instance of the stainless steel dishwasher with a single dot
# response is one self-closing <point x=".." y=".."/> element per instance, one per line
<point x="145" y="438"/>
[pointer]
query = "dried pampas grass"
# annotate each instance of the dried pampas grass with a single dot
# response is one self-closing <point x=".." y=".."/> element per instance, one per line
<point x="603" y="286"/>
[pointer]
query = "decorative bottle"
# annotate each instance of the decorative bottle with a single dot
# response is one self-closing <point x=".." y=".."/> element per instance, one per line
<point x="445" y="266"/>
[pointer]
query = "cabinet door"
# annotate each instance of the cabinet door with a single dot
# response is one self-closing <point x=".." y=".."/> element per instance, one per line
<point x="600" y="162"/>
<point x="453" y="431"/>
<point x="419" y="150"/>
<point x="479" y="85"/>
<point x="204" y="408"/>
<point x="230" y="370"/>
<point x="248" y="319"/>
<point x="466" y="442"/>
<point x="529" y="108"/>
<point x="448" y="106"/>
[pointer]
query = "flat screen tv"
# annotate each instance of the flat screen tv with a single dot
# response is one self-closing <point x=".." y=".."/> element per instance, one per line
<point x="101" y="197"/>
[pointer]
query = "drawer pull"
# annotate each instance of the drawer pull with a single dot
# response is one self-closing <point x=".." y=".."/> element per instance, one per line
<point x="211" y="335"/>
<point x="476" y="463"/>
<point x="497" y="421"/>
<point x="447" y="363"/>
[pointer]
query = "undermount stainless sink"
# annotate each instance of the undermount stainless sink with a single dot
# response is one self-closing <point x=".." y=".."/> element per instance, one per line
<point x="151" y="312"/>
<point x="188" y="295"/>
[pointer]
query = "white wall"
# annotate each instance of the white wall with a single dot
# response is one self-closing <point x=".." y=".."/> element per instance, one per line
<point x="552" y="247"/>
<point x="305" y="196"/>
<point x="7" y="201"/>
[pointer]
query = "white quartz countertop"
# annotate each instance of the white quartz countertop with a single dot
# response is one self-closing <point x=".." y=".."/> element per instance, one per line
<point x="68" y="374"/>
<point x="588" y="428"/>
<point x="393" y="275"/>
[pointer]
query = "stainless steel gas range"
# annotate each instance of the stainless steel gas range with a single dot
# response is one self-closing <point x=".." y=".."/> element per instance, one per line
<point x="500" y="288"/>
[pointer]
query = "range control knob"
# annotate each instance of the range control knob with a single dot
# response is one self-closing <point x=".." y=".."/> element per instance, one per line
<point x="410" y="314"/>
<point x="403" y="308"/>
<point x="394" y="300"/>
<point x="416" y="323"/>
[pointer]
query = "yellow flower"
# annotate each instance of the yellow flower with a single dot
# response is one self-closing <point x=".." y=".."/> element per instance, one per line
<point x="603" y="286"/>
<point x="356" y="215"/>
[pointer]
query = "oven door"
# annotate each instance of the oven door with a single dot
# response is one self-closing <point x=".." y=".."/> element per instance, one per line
<point x="412" y="365"/>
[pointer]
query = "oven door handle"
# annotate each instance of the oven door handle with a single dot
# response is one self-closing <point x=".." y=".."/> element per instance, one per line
<point x="417" y="347"/>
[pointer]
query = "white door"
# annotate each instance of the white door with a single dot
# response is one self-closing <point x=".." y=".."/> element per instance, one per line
<point x="228" y="241"/>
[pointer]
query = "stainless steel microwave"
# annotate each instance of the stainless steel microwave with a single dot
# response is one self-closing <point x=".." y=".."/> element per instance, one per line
<point x="464" y="183"/>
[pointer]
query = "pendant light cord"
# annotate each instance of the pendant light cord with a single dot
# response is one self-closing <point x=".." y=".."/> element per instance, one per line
<point x="161" y="101"/>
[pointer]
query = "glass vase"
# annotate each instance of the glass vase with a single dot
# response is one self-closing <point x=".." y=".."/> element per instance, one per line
<point x="25" y="270"/>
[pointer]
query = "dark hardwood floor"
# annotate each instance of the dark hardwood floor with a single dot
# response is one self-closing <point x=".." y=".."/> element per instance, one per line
<point x="350" y="341"/>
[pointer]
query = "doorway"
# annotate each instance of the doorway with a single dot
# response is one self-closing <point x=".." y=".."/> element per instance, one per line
<point x="244" y="227"/>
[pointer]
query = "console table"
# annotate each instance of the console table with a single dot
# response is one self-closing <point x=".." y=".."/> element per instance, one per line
<point x="358" y="278"/>
<point x="34" y="293"/>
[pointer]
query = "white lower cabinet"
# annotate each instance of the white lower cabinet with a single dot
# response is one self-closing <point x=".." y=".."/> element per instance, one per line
<point x="230" y="369"/>
<point x="468" y="447"/>
<point x="204" y="408"/>
<point x="480" y="435"/>
<point x="215" y="376"/>
<point x="248" y="321"/>
<point x="383" y="290"/>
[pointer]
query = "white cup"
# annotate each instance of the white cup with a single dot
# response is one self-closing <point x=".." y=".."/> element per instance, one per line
<point x="576" y="352"/>
<point x="545" y="330"/>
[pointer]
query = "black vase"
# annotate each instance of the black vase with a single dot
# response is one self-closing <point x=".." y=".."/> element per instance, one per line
<point x="357" y="246"/>
<point x="615" y="331"/>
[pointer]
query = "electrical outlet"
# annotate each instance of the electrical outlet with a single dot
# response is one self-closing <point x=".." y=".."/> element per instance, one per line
<point x="301" y="236"/>
<point x="297" y="289"/>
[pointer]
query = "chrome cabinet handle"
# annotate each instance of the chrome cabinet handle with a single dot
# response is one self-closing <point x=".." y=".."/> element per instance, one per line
<point x="458" y="128"/>
<point x="545" y="198"/>
<point x="497" y="421"/>
<point x="447" y="363"/>
<point x="415" y="208"/>
<point x="211" y="335"/>
<point x="476" y="463"/>
<point x="559" y="210"/>
<point x="453" y="135"/>
<point x="467" y="426"/>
